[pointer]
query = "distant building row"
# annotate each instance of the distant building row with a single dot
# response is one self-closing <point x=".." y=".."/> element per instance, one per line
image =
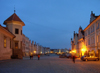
<point x="59" y="51"/>
<point x="32" y="48"/>
<point x="87" y="41"/>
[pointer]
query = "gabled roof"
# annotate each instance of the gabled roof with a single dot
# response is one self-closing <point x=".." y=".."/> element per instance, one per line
<point x="14" y="17"/>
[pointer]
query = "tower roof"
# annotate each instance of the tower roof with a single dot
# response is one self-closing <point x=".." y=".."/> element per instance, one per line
<point x="13" y="17"/>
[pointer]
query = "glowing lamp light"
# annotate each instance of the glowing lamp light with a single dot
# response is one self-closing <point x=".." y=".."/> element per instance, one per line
<point x="70" y="52"/>
<point x="74" y="51"/>
<point x="41" y="52"/>
<point x="34" y="51"/>
<point x="83" y="49"/>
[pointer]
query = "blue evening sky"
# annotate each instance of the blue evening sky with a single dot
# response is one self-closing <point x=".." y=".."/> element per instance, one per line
<point x="50" y="23"/>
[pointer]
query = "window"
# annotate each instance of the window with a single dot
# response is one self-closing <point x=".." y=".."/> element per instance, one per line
<point x="97" y="38"/>
<point x="88" y="31"/>
<point x="21" y="44"/>
<point x="16" y="45"/>
<point x="5" y="42"/>
<point x="16" y="31"/>
<point x="93" y="28"/>
<point x="97" y="27"/>
<point x="92" y="40"/>
<point x="88" y="41"/>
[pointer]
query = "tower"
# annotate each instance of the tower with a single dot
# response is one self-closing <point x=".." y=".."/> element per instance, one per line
<point x="15" y="25"/>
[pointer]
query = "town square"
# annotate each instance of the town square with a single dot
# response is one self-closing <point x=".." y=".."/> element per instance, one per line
<point x="49" y="64"/>
<point x="49" y="36"/>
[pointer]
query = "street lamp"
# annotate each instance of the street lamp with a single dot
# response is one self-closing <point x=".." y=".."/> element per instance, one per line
<point x="83" y="50"/>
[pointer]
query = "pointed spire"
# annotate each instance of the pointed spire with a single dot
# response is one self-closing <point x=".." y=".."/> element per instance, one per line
<point x="14" y="9"/>
<point x="80" y="27"/>
<point x="71" y="39"/>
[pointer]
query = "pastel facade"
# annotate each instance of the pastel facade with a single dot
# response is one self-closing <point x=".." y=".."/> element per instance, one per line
<point x="89" y="38"/>
<point x="6" y="38"/>
<point x="26" y="45"/>
<point x="92" y="34"/>
<point x="32" y="47"/>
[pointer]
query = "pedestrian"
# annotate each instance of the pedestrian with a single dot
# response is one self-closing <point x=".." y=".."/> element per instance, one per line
<point x="38" y="56"/>
<point x="31" y="56"/>
<point x="74" y="59"/>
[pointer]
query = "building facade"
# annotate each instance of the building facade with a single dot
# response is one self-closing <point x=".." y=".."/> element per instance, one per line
<point x="6" y="39"/>
<point x="92" y="35"/>
<point x="89" y="38"/>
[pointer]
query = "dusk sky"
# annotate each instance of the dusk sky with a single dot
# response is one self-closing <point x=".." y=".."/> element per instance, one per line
<point x="50" y="23"/>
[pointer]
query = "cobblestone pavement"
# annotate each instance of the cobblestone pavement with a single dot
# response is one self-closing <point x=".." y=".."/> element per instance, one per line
<point x="49" y="64"/>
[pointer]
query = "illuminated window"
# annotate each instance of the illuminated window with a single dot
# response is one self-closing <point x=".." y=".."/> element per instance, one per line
<point x="16" y="45"/>
<point x="5" y="42"/>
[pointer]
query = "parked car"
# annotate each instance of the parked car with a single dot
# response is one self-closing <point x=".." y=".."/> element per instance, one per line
<point x="69" y="56"/>
<point x="85" y="58"/>
<point x="62" y="56"/>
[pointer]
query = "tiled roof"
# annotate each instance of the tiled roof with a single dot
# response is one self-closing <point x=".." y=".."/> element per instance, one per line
<point x="7" y="30"/>
<point x="13" y="17"/>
